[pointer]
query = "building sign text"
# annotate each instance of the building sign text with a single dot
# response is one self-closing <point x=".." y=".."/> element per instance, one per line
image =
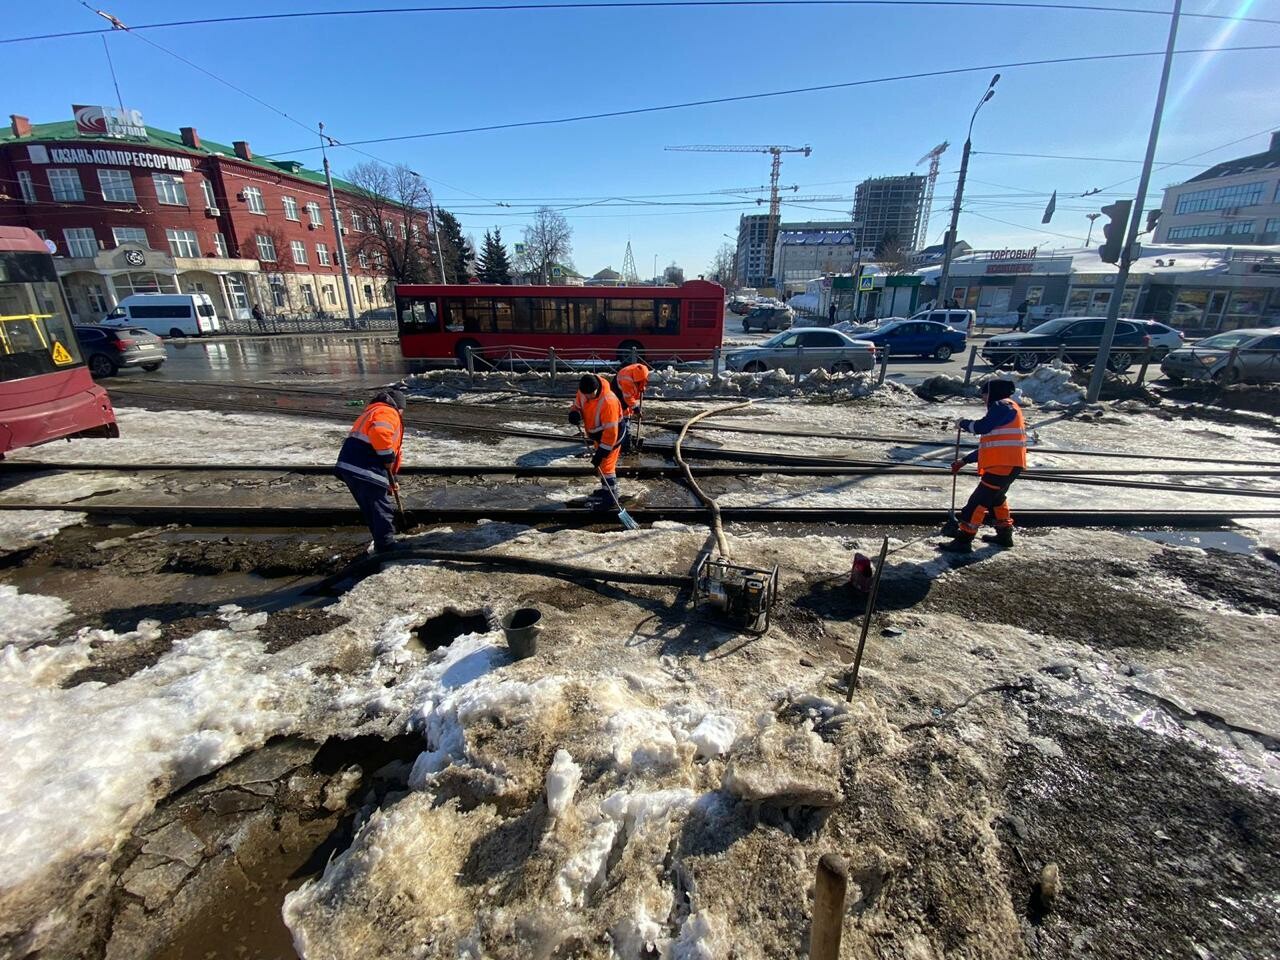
<point x="106" y="155"/>
<point x="108" y="122"/>
<point x="1008" y="254"/>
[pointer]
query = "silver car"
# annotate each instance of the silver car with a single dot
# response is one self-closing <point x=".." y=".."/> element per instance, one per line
<point x="804" y="350"/>
<point x="1227" y="358"/>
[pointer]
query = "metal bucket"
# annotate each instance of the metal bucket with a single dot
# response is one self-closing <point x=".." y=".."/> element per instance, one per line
<point x="522" y="627"/>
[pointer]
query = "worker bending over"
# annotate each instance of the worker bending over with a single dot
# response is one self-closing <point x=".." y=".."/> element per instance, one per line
<point x="1001" y="456"/>
<point x="629" y="384"/>
<point x="369" y="462"/>
<point x="598" y="411"/>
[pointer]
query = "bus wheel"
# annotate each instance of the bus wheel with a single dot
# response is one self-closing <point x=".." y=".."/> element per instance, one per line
<point x="460" y="351"/>
<point x="175" y="332"/>
<point x="630" y="350"/>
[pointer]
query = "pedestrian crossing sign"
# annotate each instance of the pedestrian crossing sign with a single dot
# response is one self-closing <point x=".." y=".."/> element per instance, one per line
<point x="60" y="355"/>
<point x="866" y="283"/>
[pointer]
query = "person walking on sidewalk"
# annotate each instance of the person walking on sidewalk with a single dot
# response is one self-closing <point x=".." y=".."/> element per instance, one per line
<point x="370" y="461"/>
<point x="260" y="317"/>
<point x="598" y="411"/>
<point x="1001" y="456"/>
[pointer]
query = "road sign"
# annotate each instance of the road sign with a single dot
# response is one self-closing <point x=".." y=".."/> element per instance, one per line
<point x="520" y="248"/>
<point x="557" y="272"/>
<point x="866" y="283"/>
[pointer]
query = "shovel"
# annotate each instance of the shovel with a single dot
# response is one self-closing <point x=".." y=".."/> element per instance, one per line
<point x="952" y="526"/>
<point x="623" y="517"/>
<point x="402" y="522"/>
<point x="637" y="441"/>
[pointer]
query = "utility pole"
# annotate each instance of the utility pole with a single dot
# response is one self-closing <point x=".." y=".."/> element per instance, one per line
<point x="1135" y="217"/>
<point x="1092" y="217"/>
<point x="949" y="241"/>
<point x="337" y="231"/>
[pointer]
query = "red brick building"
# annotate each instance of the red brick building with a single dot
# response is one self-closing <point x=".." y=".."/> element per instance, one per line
<point x="176" y="213"/>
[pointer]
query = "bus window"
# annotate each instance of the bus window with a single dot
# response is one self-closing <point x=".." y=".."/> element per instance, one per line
<point x="35" y="337"/>
<point x="503" y="316"/>
<point x="477" y="315"/>
<point x="631" y="316"/>
<point x="454" y="321"/>
<point x="587" y="316"/>
<point x="668" y="317"/>
<point x="417" y="315"/>
<point x="539" y="315"/>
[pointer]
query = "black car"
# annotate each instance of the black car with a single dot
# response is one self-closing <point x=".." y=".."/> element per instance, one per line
<point x="1077" y="338"/>
<point x="107" y="349"/>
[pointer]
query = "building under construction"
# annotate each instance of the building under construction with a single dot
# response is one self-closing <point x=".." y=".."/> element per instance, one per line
<point x="753" y="247"/>
<point x="890" y="210"/>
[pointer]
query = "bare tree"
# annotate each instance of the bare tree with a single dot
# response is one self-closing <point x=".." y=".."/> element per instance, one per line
<point x="392" y="226"/>
<point x="892" y="256"/>
<point x="720" y="269"/>
<point x="548" y="241"/>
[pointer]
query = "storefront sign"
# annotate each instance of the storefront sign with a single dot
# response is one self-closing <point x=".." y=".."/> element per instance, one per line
<point x="1024" y="267"/>
<point x="1009" y="254"/>
<point x="119" y="158"/>
<point x="108" y="122"/>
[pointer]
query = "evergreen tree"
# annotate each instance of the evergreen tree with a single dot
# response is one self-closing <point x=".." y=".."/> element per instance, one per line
<point x="458" y="255"/>
<point x="493" y="265"/>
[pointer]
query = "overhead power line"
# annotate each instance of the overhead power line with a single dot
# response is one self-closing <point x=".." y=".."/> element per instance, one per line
<point x="1058" y="156"/>
<point x="1222" y="146"/>
<point x="630" y="5"/>
<point x="740" y="98"/>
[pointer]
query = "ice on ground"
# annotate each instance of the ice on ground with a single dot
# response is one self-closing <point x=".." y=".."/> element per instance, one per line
<point x="20" y="529"/>
<point x="562" y="781"/>
<point x="28" y="619"/>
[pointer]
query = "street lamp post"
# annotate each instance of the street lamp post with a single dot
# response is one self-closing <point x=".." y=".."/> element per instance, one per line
<point x="949" y="241"/>
<point x="1092" y="217"/>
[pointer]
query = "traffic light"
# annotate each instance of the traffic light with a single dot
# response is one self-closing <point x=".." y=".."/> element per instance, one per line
<point x="1114" y="230"/>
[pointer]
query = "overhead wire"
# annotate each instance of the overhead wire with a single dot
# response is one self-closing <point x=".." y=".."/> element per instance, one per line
<point x="638" y="4"/>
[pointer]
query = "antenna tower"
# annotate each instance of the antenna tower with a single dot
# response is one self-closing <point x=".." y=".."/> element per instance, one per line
<point x="630" y="277"/>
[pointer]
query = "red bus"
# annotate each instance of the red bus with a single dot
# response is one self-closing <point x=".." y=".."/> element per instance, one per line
<point x="45" y="390"/>
<point x="441" y="322"/>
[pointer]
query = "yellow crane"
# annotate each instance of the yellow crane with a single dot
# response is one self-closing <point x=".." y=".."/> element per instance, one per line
<point x="776" y="151"/>
<point x="926" y="209"/>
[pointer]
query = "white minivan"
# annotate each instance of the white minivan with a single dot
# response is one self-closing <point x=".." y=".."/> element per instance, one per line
<point x="961" y="320"/>
<point x="166" y="314"/>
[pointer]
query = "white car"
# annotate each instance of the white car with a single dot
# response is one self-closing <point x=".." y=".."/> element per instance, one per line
<point x="1163" y="337"/>
<point x="961" y="320"/>
<point x="804" y="350"/>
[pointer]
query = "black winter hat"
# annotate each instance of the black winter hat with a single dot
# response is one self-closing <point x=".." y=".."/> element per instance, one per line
<point x="997" y="390"/>
<point x="393" y="397"/>
<point x="589" y="384"/>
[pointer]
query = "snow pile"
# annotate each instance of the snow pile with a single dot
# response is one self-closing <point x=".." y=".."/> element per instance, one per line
<point x="562" y="781"/>
<point x="1050" y="387"/>
<point x="27" y="620"/>
<point x="20" y="529"/>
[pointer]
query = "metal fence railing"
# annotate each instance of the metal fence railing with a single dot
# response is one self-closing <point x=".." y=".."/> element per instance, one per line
<point x="573" y="362"/>
<point x="304" y="323"/>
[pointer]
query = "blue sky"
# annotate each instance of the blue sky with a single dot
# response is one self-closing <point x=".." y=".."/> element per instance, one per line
<point x="408" y="73"/>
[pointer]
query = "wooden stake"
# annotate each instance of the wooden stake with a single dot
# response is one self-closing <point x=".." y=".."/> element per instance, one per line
<point x="827" y="923"/>
<point x="866" y="621"/>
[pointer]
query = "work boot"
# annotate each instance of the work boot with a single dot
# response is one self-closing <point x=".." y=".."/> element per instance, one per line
<point x="951" y="528"/>
<point x="1003" y="537"/>
<point x="963" y="543"/>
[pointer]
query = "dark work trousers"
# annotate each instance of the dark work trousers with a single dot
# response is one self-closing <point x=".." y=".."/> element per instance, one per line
<point x="377" y="509"/>
<point x="991" y="494"/>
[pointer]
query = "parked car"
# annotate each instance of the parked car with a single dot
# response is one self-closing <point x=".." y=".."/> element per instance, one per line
<point x="1257" y="358"/>
<point x="767" y="318"/>
<point x="962" y="320"/>
<point x="166" y="314"/>
<point x="1163" y="337"/>
<point x="804" y="350"/>
<point x="1078" y="338"/>
<point x="107" y="349"/>
<point x="916" y="338"/>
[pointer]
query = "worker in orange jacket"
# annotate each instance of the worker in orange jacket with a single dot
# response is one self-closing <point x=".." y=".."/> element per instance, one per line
<point x="1001" y="456"/>
<point x="629" y="384"/>
<point x="597" y="410"/>
<point x="370" y="461"/>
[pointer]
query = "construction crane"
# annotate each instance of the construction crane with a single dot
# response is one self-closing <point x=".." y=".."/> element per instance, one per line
<point x="776" y="151"/>
<point x="926" y="209"/>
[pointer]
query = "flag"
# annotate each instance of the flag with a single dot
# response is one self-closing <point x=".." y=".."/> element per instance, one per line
<point x="1048" y="210"/>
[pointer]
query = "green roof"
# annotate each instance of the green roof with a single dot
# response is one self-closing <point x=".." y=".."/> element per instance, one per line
<point x="65" y="131"/>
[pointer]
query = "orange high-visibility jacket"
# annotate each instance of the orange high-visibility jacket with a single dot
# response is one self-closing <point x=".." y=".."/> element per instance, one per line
<point x="601" y="415"/>
<point x="1006" y="446"/>
<point x="373" y="446"/>
<point x="632" y="381"/>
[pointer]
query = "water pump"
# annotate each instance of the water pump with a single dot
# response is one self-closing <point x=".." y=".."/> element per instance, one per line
<point x="745" y="595"/>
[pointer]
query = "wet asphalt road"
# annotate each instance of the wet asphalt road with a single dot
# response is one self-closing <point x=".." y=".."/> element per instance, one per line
<point x="368" y="360"/>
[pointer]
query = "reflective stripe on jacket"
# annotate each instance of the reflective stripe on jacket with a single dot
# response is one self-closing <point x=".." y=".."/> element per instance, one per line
<point x="372" y="450"/>
<point x="1006" y="445"/>
<point x="632" y="381"/>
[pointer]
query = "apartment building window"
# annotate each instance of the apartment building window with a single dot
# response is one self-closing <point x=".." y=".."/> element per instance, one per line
<point x="183" y="243"/>
<point x="253" y="200"/>
<point x="207" y="189"/>
<point x="1226" y="228"/>
<point x="129" y="235"/>
<point x="1273" y="225"/>
<point x="330" y="295"/>
<point x="313" y="212"/>
<point x="338" y="222"/>
<point x="390" y="228"/>
<point x="363" y="258"/>
<point x="220" y="245"/>
<point x="266" y="248"/>
<point x="97" y="302"/>
<point x="322" y="254"/>
<point x="117" y="186"/>
<point x="65" y="185"/>
<point x="357" y="223"/>
<point x="290" y="208"/>
<point x="1219" y="198"/>
<point x="299" y="251"/>
<point x="170" y="190"/>
<point x="404" y="230"/>
<point x="27" y="187"/>
<point x="308" y="295"/>
<point x="81" y="242"/>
